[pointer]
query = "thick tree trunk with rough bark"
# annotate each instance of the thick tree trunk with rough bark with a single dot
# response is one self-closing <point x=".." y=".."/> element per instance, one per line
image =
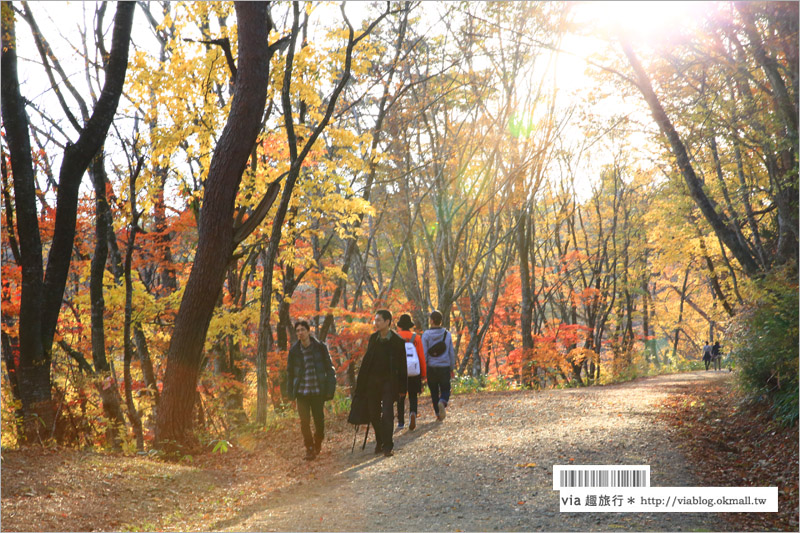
<point x="215" y="230"/>
<point x="33" y="373"/>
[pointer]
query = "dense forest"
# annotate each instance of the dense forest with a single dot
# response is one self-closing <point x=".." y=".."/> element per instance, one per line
<point x="584" y="200"/>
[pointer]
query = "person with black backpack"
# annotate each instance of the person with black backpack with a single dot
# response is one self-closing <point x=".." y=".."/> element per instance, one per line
<point x="440" y="357"/>
<point x="416" y="369"/>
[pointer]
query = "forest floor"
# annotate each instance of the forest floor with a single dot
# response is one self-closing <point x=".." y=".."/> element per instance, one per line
<point x="487" y="467"/>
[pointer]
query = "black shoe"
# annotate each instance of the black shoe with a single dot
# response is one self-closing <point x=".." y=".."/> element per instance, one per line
<point x="378" y="448"/>
<point x="388" y="453"/>
<point x="309" y="453"/>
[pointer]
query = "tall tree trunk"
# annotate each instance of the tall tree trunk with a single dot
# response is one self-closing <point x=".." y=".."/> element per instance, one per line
<point x="215" y="229"/>
<point x="526" y="307"/>
<point x="784" y="103"/>
<point x="264" y="346"/>
<point x="167" y="279"/>
<point x="680" y="315"/>
<point x="33" y="373"/>
<point x="474" y="326"/>
<point x="748" y="207"/>
<point x="144" y="359"/>
<point x="649" y="344"/>
<point x="109" y="394"/>
<point x="133" y="413"/>
<point x="297" y="157"/>
<point x="377" y="130"/>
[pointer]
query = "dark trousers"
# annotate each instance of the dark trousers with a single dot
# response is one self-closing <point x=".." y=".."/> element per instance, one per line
<point x="414" y="388"/>
<point x="439" y="384"/>
<point x="308" y="406"/>
<point x="707" y="362"/>
<point x="380" y="403"/>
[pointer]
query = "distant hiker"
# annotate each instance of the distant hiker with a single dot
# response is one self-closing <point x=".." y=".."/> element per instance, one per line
<point x="382" y="378"/>
<point x="311" y="380"/>
<point x="716" y="356"/>
<point x="416" y="370"/>
<point x="441" y="360"/>
<point x="707" y="355"/>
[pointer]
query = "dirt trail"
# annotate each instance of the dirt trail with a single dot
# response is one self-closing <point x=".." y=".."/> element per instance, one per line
<point x="488" y="466"/>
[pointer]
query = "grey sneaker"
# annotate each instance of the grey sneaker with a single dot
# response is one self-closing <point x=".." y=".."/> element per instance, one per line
<point x="442" y="410"/>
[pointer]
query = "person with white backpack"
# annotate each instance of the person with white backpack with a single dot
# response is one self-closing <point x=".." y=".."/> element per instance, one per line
<point x="416" y="369"/>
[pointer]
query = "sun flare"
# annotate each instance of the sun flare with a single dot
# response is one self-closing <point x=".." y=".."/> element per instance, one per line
<point x="642" y="21"/>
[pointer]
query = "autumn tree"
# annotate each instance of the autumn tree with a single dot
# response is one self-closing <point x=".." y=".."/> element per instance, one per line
<point x="393" y="85"/>
<point x="42" y="290"/>
<point x="299" y="149"/>
<point x="739" y="71"/>
<point x="216" y="227"/>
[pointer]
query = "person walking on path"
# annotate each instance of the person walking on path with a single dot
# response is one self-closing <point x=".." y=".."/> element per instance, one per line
<point x="707" y="355"/>
<point x="311" y="381"/>
<point x="440" y="357"/>
<point x="382" y="378"/>
<point x="416" y="369"/>
<point x="716" y="356"/>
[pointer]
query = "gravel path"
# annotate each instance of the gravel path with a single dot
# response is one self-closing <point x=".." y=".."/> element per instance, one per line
<point x="475" y="472"/>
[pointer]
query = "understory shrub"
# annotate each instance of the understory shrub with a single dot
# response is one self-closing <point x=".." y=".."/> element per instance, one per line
<point x="764" y="336"/>
<point x="465" y="384"/>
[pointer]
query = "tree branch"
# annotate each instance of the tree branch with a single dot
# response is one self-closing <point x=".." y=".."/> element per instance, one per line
<point x="225" y="44"/>
<point x="83" y="364"/>
<point x="46" y="52"/>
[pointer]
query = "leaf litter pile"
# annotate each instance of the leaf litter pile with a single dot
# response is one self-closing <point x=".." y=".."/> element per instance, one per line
<point x="60" y="489"/>
<point x="733" y="443"/>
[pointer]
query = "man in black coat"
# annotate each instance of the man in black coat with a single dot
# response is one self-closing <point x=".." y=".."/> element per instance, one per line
<point x="382" y="378"/>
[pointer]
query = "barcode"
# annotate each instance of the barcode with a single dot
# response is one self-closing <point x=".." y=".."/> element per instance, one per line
<point x="600" y="476"/>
